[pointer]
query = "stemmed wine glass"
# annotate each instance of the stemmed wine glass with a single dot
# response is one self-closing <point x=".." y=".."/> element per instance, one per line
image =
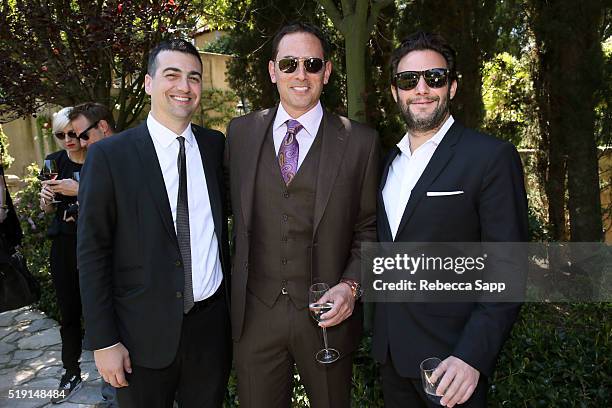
<point x="315" y="293"/>
<point x="49" y="172"/>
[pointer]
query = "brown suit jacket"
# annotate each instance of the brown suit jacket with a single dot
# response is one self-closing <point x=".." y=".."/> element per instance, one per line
<point x="345" y="206"/>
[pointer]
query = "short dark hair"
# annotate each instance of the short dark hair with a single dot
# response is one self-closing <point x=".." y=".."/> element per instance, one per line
<point x="93" y="112"/>
<point x="175" y="44"/>
<point x="300" y="27"/>
<point x="422" y="40"/>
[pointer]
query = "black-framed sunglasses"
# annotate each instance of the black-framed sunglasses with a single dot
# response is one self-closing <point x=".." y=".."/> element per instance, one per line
<point x="434" y="78"/>
<point x="62" y="135"/>
<point x="84" y="134"/>
<point x="312" y="65"/>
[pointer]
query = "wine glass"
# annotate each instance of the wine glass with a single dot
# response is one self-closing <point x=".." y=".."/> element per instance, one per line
<point x="428" y="366"/>
<point x="316" y="292"/>
<point x="49" y="172"/>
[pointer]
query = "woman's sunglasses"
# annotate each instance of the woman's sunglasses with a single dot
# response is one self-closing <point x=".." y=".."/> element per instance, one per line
<point x="61" y="135"/>
<point x="312" y="65"/>
<point x="434" y="78"/>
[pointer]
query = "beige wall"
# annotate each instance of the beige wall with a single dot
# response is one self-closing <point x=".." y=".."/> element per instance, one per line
<point x="213" y="70"/>
<point x="203" y="38"/>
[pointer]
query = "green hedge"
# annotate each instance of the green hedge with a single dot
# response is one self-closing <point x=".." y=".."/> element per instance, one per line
<point x="559" y="355"/>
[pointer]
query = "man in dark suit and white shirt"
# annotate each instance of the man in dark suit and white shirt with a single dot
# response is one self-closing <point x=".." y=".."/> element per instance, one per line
<point x="443" y="183"/>
<point x="152" y="247"/>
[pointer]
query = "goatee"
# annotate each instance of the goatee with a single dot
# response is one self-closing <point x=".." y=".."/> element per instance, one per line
<point x="431" y="122"/>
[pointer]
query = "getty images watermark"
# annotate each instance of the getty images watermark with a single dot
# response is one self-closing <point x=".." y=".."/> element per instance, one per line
<point x="486" y="272"/>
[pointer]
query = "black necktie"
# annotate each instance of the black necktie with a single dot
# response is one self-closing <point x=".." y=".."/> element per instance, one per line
<point x="182" y="226"/>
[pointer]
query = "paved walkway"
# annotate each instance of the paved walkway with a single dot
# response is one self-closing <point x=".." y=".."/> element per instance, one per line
<point x="30" y="358"/>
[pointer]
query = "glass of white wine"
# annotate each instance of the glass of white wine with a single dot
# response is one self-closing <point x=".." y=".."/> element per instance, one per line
<point x="317" y="308"/>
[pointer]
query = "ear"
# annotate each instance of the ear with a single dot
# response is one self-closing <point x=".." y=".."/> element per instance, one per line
<point x="271" y="71"/>
<point x="453" y="88"/>
<point x="103" y="125"/>
<point x="148" y="84"/>
<point x="327" y="73"/>
<point x="394" y="93"/>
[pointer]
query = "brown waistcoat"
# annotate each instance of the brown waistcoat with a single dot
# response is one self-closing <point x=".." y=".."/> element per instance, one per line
<point x="283" y="227"/>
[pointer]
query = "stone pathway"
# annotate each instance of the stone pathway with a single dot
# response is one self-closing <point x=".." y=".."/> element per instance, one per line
<point x="30" y="358"/>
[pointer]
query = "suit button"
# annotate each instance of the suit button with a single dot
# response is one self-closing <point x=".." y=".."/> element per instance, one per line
<point x="284" y="239"/>
<point x="178" y="263"/>
<point x="284" y="261"/>
<point x="286" y="195"/>
<point x="179" y="295"/>
<point x="285" y="217"/>
<point x="246" y="266"/>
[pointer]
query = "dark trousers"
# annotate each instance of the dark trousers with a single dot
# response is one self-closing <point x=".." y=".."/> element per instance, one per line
<point x="272" y="341"/>
<point x="197" y="378"/>
<point x="402" y="392"/>
<point x="65" y="277"/>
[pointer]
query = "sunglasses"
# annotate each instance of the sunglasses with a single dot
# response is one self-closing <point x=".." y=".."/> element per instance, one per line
<point x="84" y="135"/>
<point x="434" y="78"/>
<point x="312" y="65"/>
<point x="61" y="135"/>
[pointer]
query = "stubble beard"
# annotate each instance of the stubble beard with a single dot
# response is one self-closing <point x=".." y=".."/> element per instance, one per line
<point x="431" y="122"/>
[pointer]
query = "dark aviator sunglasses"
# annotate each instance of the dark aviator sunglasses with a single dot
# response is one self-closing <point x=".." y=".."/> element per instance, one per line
<point x="62" y="135"/>
<point x="434" y="78"/>
<point x="312" y="65"/>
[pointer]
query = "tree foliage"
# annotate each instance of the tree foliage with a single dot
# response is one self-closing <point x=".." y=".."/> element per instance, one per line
<point x="64" y="53"/>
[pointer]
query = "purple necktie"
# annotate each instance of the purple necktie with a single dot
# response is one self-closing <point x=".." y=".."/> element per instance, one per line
<point x="289" y="151"/>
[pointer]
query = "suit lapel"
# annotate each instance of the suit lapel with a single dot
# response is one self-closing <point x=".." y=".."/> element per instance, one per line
<point x="212" y="179"/>
<point x="444" y="152"/>
<point x="384" y="229"/>
<point x="248" y="166"/>
<point x="155" y="180"/>
<point x="333" y="145"/>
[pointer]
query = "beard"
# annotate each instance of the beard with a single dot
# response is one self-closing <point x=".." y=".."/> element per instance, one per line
<point x="427" y="123"/>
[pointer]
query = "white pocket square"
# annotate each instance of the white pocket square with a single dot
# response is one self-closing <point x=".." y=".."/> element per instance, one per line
<point x="443" y="193"/>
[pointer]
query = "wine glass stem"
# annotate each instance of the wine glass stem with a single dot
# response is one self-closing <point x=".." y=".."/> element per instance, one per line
<point x="325" y="338"/>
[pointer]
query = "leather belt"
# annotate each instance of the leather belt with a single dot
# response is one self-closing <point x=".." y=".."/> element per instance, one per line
<point x="202" y="304"/>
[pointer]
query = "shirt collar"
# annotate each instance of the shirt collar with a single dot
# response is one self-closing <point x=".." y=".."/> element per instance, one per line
<point x="309" y="120"/>
<point x="404" y="144"/>
<point x="165" y="136"/>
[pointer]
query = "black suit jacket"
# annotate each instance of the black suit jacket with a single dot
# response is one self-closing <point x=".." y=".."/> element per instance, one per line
<point x="493" y="208"/>
<point x="130" y="267"/>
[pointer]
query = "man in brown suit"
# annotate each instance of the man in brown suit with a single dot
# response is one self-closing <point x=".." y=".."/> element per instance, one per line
<point x="303" y="189"/>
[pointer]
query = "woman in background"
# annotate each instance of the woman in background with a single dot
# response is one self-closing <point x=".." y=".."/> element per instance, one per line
<point x="62" y="231"/>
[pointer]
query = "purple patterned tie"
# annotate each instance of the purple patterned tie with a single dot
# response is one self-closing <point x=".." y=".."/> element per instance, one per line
<point x="289" y="151"/>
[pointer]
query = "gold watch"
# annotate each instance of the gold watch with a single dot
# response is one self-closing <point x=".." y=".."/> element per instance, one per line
<point x="355" y="287"/>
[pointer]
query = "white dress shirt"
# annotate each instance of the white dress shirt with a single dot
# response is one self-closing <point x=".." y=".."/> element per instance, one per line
<point x="310" y="121"/>
<point x="205" y="264"/>
<point x="405" y="171"/>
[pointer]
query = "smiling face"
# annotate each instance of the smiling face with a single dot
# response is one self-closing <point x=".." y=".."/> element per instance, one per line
<point x="175" y="89"/>
<point x="299" y="90"/>
<point x="425" y="109"/>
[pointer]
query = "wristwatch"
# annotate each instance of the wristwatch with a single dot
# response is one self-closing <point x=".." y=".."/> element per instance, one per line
<point x="355" y="287"/>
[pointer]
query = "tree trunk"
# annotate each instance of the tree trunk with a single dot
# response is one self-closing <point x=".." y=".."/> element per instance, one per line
<point x="571" y="60"/>
<point x="355" y="74"/>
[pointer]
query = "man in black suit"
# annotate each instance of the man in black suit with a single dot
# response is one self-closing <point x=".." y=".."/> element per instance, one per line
<point x="443" y="183"/>
<point x="152" y="247"/>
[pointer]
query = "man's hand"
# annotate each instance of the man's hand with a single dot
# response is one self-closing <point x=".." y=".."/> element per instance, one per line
<point x="112" y="362"/>
<point x="344" y="302"/>
<point x="67" y="187"/>
<point x="458" y="383"/>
